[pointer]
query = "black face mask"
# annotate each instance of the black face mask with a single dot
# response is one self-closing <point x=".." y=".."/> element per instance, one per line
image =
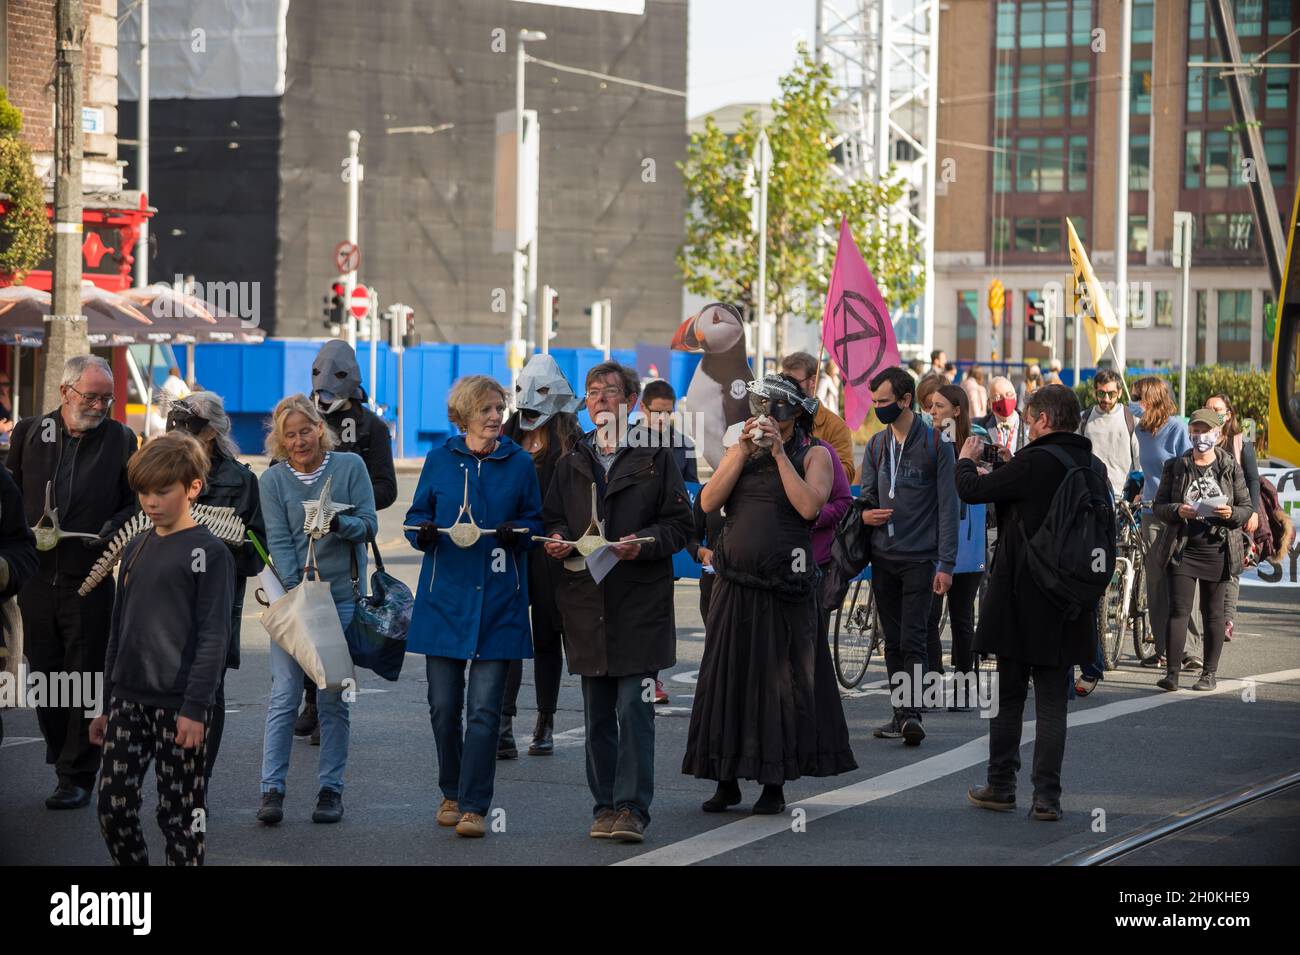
<point x="185" y="419"/>
<point x="889" y="413"/>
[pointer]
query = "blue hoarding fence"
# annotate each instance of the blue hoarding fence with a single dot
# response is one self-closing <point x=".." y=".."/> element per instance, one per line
<point x="253" y="378"/>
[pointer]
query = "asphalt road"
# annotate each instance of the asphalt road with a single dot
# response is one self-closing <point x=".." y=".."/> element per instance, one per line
<point x="1134" y="754"/>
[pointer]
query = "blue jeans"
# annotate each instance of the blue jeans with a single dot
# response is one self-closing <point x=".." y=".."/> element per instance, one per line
<point x="282" y="710"/>
<point x="620" y="718"/>
<point x="467" y="753"/>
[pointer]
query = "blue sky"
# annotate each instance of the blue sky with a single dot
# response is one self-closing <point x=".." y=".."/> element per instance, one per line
<point x="739" y="48"/>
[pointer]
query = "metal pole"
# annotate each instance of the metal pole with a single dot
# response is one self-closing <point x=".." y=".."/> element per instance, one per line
<point x="142" y="154"/>
<point x="373" y="318"/>
<point x="1121" y="184"/>
<point x="548" y="317"/>
<point x="607" y="316"/>
<point x="354" y="196"/>
<point x="15" y="381"/>
<point x="65" y="329"/>
<point x="1075" y="347"/>
<point x="763" y="154"/>
<point x="189" y="364"/>
<point x="517" y="292"/>
<point x="1186" y="226"/>
<point x="401" y="404"/>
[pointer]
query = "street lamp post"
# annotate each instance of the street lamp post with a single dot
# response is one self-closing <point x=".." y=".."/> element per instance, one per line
<point x="524" y="283"/>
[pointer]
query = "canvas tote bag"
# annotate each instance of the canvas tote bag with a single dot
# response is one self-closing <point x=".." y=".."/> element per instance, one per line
<point x="304" y="623"/>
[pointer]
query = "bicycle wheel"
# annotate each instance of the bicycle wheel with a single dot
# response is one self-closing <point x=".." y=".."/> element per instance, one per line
<point x="1111" y="621"/>
<point x="1139" y="622"/>
<point x="854" y="635"/>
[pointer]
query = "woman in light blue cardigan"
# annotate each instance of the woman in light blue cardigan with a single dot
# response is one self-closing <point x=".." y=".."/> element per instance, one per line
<point x="301" y="443"/>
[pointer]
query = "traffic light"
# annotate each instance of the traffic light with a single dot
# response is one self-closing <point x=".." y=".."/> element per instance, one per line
<point x="334" y="310"/>
<point x="1035" y="319"/>
<point x="410" y="337"/>
<point x="551" y="310"/>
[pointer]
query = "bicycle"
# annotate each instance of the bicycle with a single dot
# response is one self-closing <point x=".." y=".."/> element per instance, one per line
<point x="857" y="635"/>
<point x="1123" y="612"/>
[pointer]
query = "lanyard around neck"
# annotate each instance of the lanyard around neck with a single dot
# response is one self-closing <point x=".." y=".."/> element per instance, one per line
<point x="893" y="461"/>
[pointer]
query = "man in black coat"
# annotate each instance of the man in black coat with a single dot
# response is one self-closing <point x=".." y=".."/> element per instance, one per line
<point x="620" y="633"/>
<point x="336" y="389"/>
<point x="79" y="453"/>
<point x="17" y="558"/>
<point x="1018" y="623"/>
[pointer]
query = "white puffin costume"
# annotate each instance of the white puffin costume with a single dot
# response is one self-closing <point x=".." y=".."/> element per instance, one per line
<point x="717" y="397"/>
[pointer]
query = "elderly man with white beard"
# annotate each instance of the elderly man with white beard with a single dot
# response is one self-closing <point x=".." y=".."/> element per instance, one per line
<point x="70" y="465"/>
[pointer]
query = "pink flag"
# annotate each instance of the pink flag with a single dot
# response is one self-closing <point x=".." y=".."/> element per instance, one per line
<point x="856" y="330"/>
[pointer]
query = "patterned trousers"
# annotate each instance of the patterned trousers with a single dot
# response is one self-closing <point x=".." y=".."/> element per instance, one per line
<point x="135" y="735"/>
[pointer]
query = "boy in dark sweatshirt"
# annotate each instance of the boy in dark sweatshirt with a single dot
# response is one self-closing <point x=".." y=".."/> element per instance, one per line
<point x="166" y="651"/>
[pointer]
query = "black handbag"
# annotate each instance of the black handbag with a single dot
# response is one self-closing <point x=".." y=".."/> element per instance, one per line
<point x="377" y="634"/>
<point x="850" y="552"/>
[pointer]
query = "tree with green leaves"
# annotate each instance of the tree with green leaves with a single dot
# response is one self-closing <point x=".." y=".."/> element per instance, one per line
<point x="24" y="228"/>
<point x="806" y="196"/>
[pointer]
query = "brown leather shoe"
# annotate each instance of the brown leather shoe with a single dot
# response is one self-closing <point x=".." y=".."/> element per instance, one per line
<point x="471" y="826"/>
<point x="628" y="827"/>
<point x="603" y="824"/>
<point x="448" y="813"/>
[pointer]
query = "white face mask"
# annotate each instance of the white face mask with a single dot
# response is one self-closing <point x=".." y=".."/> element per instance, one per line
<point x="543" y="392"/>
<point x="327" y="403"/>
<point x="1204" y="442"/>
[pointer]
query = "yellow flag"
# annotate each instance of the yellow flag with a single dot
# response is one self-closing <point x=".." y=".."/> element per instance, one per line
<point x="1090" y="300"/>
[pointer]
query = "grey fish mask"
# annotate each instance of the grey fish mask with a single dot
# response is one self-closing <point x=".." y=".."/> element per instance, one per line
<point x="335" y="376"/>
<point x="543" y="392"/>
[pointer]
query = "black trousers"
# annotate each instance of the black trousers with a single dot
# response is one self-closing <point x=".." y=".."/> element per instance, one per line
<point x="1182" y="597"/>
<point x="1050" y="687"/>
<point x="136" y="735"/>
<point x="961" y="599"/>
<point x="217" y="722"/>
<point x="903" y="596"/>
<point x="548" y="646"/>
<point x="66" y="633"/>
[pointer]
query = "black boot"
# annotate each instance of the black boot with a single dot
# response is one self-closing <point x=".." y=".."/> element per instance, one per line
<point x="727" y="795"/>
<point x="1206" y="682"/>
<point x="771" y="802"/>
<point x="506" y="748"/>
<point x="543" y="743"/>
<point x="1170" y="682"/>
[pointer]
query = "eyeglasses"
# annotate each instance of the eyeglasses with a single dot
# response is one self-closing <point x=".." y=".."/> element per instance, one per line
<point x="1107" y="394"/>
<point x="91" y="400"/>
<point x="604" y="392"/>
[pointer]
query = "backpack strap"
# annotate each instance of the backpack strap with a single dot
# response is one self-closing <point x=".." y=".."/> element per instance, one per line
<point x="1066" y="461"/>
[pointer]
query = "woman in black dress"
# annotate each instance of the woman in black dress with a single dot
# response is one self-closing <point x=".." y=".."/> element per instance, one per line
<point x="766" y="707"/>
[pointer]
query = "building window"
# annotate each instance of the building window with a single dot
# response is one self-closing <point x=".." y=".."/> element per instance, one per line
<point x="1038" y="234"/>
<point x="1029" y="91"/>
<point x="1080" y="224"/>
<point x="1234" y="327"/>
<point x="1054" y="89"/>
<point x="1249" y="15"/>
<point x="1218" y="159"/>
<point x="1027" y="159"/>
<point x="1140" y="90"/>
<point x="1266" y="353"/>
<point x="968" y="304"/>
<point x="1192" y="160"/>
<point x="1139" y="160"/>
<point x="1143" y="20"/>
<point x="1279" y="17"/>
<point x="1275" y="151"/>
<point x="1164" y="309"/>
<point x="1219" y="101"/>
<point x="1137" y="233"/>
<point x="1007" y="26"/>
<point x="1001" y="234"/>
<point x="1005" y="91"/>
<point x="1195" y="90"/>
<point x="1230" y="232"/>
<point x="1051" y="171"/>
<point x="1081" y="23"/>
<point x="1079" y="87"/>
<point x="1202" y="323"/>
<point x="1277" y="83"/>
<point x="1078" y="174"/>
<point x="1031" y="25"/>
<point x="1056" y="23"/>
<point x="1002" y="165"/>
<point x="1195" y="21"/>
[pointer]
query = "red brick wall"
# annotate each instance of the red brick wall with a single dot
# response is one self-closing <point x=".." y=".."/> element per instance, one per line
<point x="30" y="44"/>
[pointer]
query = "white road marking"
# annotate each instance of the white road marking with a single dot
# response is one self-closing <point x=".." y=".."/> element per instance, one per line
<point x="690" y="676"/>
<point x="574" y="737"/>
<point x="735" y="835"/>
<point x="19" y="740"/>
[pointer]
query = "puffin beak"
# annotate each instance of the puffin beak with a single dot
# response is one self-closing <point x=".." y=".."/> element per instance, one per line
<point x="684" y="338"/>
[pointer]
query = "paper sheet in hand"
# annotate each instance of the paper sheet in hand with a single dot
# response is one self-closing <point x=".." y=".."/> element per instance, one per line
<point x="1207" y="506"/>
<point x="601" y="561"/>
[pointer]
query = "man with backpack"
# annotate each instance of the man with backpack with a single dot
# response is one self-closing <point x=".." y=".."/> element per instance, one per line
<point x="1055" y="556"/>
<point x="1112" y="429"/>
<point x="907" y="478"/>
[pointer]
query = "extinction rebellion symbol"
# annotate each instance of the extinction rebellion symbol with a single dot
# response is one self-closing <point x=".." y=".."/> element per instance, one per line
<point x="870" y="324"/>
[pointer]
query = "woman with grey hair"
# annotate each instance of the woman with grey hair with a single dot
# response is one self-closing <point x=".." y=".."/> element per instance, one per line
<point x="230" y="483"/>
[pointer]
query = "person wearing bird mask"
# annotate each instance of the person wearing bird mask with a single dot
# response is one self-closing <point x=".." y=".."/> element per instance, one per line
<point x="337" y="392"/>
<point x="546" y="426"/>
<point x="766" y="707"/>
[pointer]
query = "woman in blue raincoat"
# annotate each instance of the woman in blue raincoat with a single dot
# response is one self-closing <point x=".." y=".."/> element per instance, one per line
<point x="471" y="607"/>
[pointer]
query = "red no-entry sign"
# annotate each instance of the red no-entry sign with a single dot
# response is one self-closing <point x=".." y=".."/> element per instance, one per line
<point x="360" y="303"/>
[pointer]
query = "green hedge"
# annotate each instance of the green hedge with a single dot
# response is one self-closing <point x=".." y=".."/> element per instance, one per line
<point x="1247" y="390"/>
